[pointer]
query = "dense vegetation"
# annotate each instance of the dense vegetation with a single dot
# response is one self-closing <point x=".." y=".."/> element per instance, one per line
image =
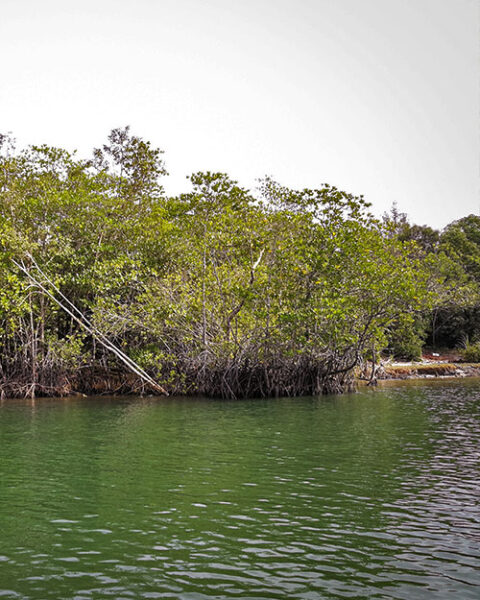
<point x="219" y="291"/>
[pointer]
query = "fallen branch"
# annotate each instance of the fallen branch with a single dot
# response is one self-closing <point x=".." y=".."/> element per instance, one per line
<point x="82" y="320"/>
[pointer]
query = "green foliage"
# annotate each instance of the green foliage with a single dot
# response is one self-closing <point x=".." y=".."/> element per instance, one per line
<point x="68" y="352"/>
<point x="471" y="352"/>
<point x="461" y="241"/>
<point x="406" y="337"/>
<point x="215" y="285"/>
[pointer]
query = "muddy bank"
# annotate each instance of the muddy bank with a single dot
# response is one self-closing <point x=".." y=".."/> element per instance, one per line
<point x="426" y="370"/>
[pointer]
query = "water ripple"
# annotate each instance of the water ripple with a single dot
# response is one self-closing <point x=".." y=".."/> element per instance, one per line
<point x="371" y="495"/>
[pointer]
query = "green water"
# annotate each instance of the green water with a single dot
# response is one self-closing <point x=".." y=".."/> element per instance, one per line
<point x="369" y="495"/>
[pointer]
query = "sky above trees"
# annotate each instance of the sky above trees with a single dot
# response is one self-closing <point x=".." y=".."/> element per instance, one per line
<point x="378" y="98"/>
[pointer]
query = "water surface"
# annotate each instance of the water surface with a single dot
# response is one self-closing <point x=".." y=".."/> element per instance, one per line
<point x="368" y="495"/>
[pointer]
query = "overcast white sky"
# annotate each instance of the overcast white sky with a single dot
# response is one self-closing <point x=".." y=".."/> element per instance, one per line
<point x="377" y="97"/>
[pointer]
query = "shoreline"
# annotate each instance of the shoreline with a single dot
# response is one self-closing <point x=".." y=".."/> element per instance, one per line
<point x="115" y="383"/>
<point x="421" y="370"/>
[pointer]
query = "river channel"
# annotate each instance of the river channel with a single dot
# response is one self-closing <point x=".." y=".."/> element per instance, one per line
<point x="367" y="495"/>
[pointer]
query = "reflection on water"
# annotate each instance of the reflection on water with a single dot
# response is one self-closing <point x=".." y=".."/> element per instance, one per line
<point x="369" y="495"/>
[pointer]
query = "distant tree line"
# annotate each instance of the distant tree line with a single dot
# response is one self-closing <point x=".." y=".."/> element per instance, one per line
<point x="218" y="291"/>
<point x="452" y="320"/>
